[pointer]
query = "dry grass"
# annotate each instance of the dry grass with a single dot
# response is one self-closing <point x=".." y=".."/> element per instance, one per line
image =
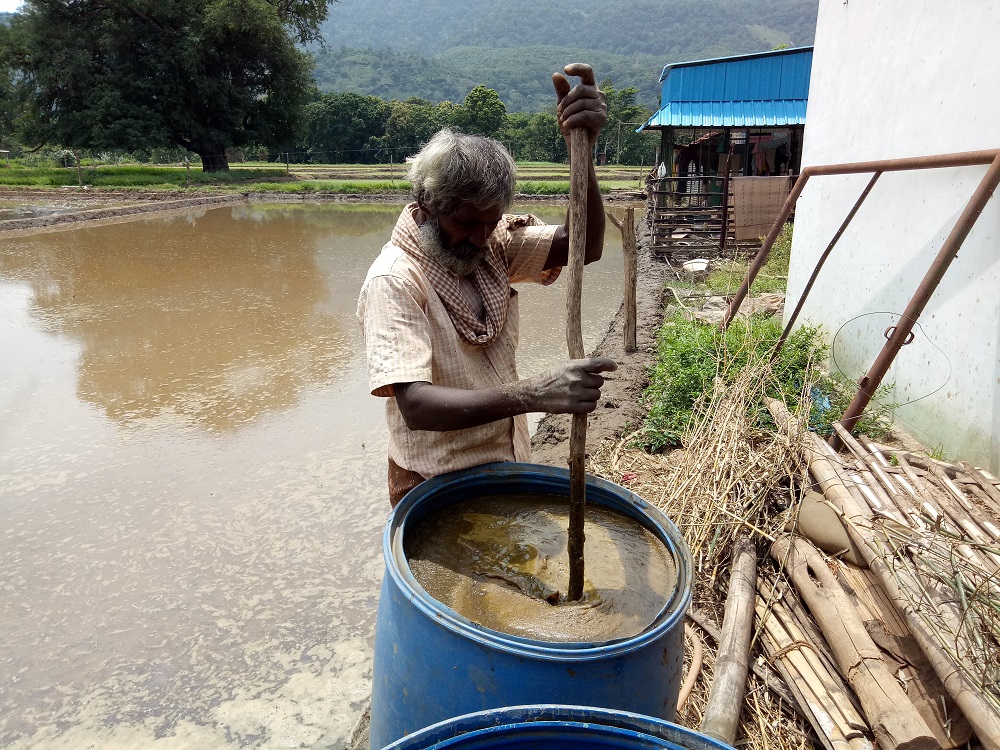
<point x="731" y="478"/>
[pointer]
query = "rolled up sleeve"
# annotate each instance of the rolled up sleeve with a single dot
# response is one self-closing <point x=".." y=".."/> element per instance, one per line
<point x="528" y="249"/>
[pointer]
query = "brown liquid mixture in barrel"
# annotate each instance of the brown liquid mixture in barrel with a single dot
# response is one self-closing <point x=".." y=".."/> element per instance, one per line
<point x="501" y="561"/>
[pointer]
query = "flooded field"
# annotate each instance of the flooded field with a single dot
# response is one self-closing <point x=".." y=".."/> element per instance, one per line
<point x="192" y="475"/>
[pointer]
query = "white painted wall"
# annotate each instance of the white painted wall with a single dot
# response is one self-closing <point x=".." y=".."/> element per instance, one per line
<point x="892" y="80"/>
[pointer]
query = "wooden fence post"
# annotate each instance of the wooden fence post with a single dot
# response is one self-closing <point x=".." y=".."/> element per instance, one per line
<point x="630" y="256"/>
<point x="725" y="699"/>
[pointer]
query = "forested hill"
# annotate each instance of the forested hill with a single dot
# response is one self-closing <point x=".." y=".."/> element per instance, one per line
<point x="439" y="49"/>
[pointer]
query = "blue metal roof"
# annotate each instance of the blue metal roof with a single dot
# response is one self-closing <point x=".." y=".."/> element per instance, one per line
<point x="766" y="89"/>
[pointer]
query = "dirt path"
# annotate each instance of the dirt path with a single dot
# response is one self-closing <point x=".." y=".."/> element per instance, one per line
<point x="92" y="209"/>
<point x="94" y="206"/>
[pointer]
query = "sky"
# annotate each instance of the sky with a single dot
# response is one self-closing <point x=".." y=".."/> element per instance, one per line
<point x="6" y="6"/>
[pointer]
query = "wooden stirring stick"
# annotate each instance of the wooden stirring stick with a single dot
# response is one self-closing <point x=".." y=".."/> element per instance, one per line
<point x="579" y="156"/>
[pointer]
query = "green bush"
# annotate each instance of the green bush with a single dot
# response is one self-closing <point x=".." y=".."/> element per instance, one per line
<point x="690" y="355"/>
<point x="833" y="394"/>
<point x="65" y="158"/>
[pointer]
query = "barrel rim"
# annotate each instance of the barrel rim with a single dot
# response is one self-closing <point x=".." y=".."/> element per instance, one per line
<point x="544" y="714"/>
<point x="609" y="494"/>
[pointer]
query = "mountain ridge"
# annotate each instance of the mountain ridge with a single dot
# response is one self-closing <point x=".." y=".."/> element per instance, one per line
<point x="440" y="49"/>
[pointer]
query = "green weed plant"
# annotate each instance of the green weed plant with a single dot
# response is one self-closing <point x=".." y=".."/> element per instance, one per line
<point x="726" y="277"/>
<point x="691" y="354"/>
<point x="131" y="176"/>
<point x="550" y="187"/>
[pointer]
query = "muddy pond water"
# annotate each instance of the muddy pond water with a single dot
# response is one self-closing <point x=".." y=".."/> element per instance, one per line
<point x="502" y="562"/>
<point x="192" y="475"/>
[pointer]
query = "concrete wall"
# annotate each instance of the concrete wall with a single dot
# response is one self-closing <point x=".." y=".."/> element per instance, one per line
<point x="893" y="80"/>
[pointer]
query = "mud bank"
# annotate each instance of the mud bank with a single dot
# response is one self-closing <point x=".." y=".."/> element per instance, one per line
<point x="91" y="204"/>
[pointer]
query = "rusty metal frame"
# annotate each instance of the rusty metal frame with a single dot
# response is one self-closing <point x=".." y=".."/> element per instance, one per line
<point x="902" y="332"/>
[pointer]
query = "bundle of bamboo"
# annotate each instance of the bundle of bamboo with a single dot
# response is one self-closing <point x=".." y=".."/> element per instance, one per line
<point x="731" y="481"/>
<point x="933" y="550"/>
<point x="866" y="674"/>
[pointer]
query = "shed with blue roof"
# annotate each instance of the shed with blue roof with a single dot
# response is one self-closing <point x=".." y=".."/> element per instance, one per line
<point x="721" y="120"/>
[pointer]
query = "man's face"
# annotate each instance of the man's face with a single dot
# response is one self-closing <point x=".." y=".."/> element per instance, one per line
<point x="457" y="240"/>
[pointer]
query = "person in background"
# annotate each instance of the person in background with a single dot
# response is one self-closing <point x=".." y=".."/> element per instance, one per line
<point x="440" y="317"/>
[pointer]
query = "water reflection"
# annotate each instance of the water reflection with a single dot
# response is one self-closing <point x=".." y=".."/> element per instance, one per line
<point x="192" y="482"/>
<point x="212" y="330"/>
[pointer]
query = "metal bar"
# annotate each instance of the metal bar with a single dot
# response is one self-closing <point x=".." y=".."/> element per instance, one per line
<point x="870" y="383"/>
<point x="962" y="159"/>
<point x="819" y="265"/>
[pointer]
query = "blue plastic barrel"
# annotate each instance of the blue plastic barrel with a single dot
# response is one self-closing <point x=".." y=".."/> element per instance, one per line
<point x="556" y="728"/>
<point x="432" y="664"/>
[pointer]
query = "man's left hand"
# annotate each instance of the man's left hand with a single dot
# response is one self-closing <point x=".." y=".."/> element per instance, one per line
<point x="583" y="105"/>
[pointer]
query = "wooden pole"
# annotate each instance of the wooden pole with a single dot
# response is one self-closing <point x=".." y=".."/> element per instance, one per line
<point x="579" y="157"/>
<point x="891" y="714"/>
<point x="725" y="700"/>
<point x="631" y="264"/>
<point x="630" y="255"/>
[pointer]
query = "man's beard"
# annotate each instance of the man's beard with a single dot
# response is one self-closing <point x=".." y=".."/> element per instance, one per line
<point x="463" y="259"/>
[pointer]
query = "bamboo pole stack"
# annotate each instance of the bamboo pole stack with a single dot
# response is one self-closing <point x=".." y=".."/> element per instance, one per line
<point x="935" y="553"/>
<point x="893" y="718"/>
<point x="808" y="672"/>
<point x="926" y="529"/>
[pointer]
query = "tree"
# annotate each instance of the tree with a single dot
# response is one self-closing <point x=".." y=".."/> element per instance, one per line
<point x="482" y="113"/>
<point x="619" y="142"/>
<point x="205" y="75"/>
<point x="341" y="127"/>
<point x="8" y="106"/>
<point x="410" y="125"/>
<point x="535" y="137"/>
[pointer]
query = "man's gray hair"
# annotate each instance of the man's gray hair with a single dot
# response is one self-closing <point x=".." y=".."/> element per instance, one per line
<point x="455" y="168"/>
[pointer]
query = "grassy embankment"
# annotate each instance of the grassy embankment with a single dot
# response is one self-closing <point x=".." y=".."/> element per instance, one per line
<point x="348" y="179"/>
<point x="691" y="355"/>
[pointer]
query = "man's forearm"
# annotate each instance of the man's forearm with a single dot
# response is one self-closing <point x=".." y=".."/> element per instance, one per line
<point x="434" y="407"/>
<point x="595" y="217"/>
<point x="571" y="388"/>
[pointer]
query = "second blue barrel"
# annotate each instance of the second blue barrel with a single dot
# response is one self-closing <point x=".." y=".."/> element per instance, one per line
<point x="433" y="664"/>
<point x="556" y="728"/>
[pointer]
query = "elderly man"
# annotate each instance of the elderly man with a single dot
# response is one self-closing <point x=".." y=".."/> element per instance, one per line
<point x="440" y="317"/>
